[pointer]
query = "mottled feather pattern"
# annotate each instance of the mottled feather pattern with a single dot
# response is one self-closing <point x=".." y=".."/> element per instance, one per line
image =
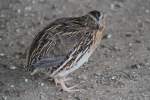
<point x="46" y="40"/>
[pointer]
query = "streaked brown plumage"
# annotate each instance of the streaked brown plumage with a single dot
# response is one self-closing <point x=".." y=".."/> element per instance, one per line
<point x="65" y="45"/>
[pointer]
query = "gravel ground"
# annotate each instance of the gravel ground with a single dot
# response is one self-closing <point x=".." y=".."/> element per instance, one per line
<point x="118" y="70"/>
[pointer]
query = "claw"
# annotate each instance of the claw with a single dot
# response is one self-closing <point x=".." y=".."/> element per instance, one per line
<point x="72" y="87"/>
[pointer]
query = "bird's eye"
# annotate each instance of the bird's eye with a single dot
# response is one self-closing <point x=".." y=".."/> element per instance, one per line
<point x="98" y="16"/>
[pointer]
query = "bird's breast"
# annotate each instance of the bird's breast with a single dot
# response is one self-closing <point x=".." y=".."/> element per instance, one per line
<point x="96" y="40"/>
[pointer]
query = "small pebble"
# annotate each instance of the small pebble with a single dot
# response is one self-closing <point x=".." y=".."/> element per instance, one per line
<point x="137" y="41"/>
<point x="107" y="36"/>
<point x="33" y="1"/>
<point x="147" y="20"/>
<point x="132" y="57"/>
<point x="18" y="30"/>
<point x="12" y="86"/>
<point x="12" y="67"/>
<point x="26" y="80"/>
<point x="0" y="38"/>
<point x="42" y="84"/>
<point x="83" y="77"/>
<point x="140" y="24"/>
<point x="19" y="11"/>
<point x="10" y="44"/>
<point x="135" y="66"/>
<point x="97" y="75"/>
<point x="113" y="77"/>
<point x="2" y="54"/>
<point x="28" y="8"/>
<point x="147" y="64"/>
<point x="116" y="5"/>
<point x="53" y="7"/>
<point x="147" y="11"/>
<point x="116" y="63"/>
<point x="130" y="44"/>
<point x="128" y="35"/>
<point x="2" y="15"/>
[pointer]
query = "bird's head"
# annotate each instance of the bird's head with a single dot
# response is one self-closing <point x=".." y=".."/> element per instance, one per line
<point x="98" y="17"/>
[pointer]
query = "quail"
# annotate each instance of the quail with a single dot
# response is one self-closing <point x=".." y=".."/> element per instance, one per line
<point x="65" y="45"/>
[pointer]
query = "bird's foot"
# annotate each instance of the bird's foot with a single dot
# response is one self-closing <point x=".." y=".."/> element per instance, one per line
<point x="64" y="87"/>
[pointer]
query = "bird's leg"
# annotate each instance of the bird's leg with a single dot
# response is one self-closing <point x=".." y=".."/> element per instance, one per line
<point x="34" y="71"/>
<point x="65" y="72"/>
<point x="62" y="81"/>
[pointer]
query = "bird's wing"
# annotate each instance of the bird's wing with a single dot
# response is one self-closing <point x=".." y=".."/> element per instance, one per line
<point x="56" y="43"/>
<point x="47" y="61"/>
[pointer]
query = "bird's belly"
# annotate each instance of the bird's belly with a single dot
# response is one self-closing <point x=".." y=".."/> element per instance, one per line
<point x="83" y="59"/>
<point x="86" y="56"/>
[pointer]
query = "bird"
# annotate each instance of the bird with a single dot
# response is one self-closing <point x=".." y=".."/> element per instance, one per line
<point x="64" y="45"/>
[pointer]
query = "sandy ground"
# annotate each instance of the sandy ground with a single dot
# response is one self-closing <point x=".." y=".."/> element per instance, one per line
<point x="118" y="70"/>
